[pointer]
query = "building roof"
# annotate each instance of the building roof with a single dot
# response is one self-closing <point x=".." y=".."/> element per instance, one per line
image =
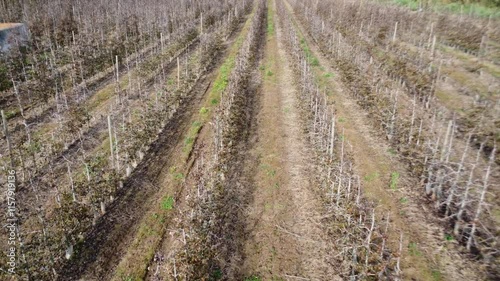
<point x="9" y="25"/>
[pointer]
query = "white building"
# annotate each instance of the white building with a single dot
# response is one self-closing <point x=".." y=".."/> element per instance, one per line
<point x="12" y="34"/>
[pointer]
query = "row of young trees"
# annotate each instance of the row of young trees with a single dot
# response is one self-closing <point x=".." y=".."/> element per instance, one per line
<point x="76" y="129"/>
<point x="68" y="96"/>
<point x="453" y="162"/>
<point x="73" y="189"/>
<point x="77" y="122"/>
<point x="85" y="28"/>
<point x="361" y="243"/>
<point x="71" y="107"/>
<point x="209" y="236"/>
<point x="410" y="48"/>
<point x="72" y="42"/>
<point x="207" y="245"/>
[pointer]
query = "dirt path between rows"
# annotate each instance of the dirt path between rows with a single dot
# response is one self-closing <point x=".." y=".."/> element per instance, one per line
<point x="426" y="253"/>
<point x="285" y="240"/>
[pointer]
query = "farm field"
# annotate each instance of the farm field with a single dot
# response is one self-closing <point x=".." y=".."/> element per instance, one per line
<point x="249" y="140"/>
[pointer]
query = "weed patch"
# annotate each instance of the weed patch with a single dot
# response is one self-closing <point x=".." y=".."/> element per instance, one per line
<point x="167" y="203"/>
<point x="203" y="110"/>
<point x="394" y="180"/>
<point x="371" y="177"/>
<point x="270" y="20"/>
<point x="413" y="249"/>
<point x="436" y="275"/>
<point x="448" y="237"/>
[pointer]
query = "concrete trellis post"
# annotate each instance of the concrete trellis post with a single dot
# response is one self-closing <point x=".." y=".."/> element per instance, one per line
<point x="395" y="32"/>
<point x="178" y="73"/>
<point x="7" y="137"/>
<point x="201" y="24"/>
<point x="110" y="130"/>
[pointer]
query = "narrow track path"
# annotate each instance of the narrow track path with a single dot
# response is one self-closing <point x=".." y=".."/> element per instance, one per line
<point x="285" y="239"/>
